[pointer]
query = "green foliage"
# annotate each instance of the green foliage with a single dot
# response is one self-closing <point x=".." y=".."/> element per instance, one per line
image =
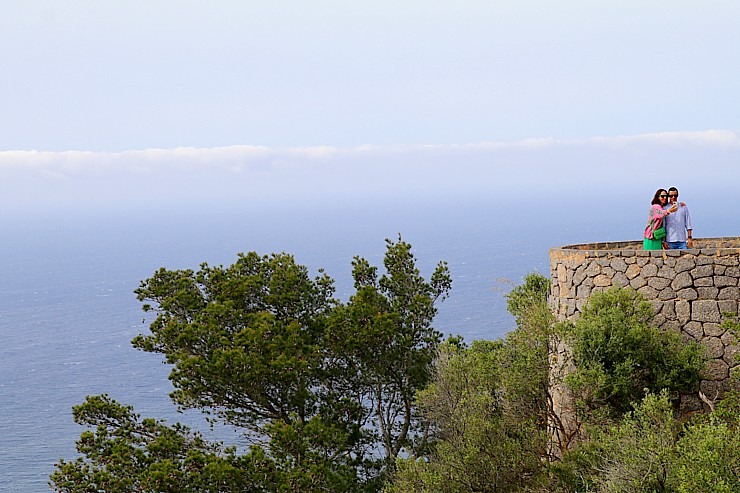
<point x="385" y="343"/>
<point x="321" y="386"/>
<point x="649" y="451"/>
<point x="731" y="323"/>
<point x="709" y="459"/>
<point x="709" y="452"/>
<point x="127" y="454"/>
<point x="524" y="357"/>
<point x="634" y="455"/>
<point x="232" y="333"/>
<point x="618" y="357"/>
<point x="528" y="301"/>
<point x="479" y="443"/>
<point x="343" y="397"/>
<point x="487" y="407"/>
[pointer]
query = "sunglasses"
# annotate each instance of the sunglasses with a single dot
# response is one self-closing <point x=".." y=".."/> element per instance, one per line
<point x="672" y="195"/>
<point x="662" y="195"/>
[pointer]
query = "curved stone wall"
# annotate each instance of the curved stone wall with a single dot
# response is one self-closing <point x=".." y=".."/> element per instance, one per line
<point x="690" y="291"/>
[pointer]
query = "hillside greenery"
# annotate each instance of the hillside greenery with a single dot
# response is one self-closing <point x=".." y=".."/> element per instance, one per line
<point x="365" y="396"/>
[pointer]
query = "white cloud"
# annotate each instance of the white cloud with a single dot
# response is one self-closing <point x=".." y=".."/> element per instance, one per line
<point x="249" y="173"/>
<point x="709" y="138"/>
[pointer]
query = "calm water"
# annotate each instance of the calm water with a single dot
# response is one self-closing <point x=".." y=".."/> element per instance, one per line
<point x="68" y="313"/>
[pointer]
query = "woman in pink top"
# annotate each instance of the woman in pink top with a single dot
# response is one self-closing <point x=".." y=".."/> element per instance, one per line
<point x="655" y="219"/>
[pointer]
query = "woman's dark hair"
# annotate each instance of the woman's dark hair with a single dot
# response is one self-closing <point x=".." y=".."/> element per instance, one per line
<point x="656" y="200"/>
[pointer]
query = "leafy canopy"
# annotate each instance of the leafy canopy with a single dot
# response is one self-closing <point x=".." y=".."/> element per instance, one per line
<point x="322" y="389"/>
<point x="487" y="407"/>
<point x="619" y="357"/>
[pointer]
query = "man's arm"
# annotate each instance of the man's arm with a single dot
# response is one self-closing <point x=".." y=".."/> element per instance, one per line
<point x="689" y="227"/>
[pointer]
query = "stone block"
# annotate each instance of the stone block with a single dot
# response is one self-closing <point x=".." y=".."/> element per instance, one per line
<point x="570" y="307"/>
<point x="583" y="292"/>
<point x="715" y="369"/>
<point x="682" y="280"/>
<point x="731" y="293"/>
<point x="685" y="263"/>
<point x="580" y="303"/>
<point x="705" y="311"/>
<point x="713" y="347"/>
<point x="687" y="294"/>
<point x="719" y="270"/>
<point x="632" y="271"/>
<point x="637" y="283"/>
<point x="729" y="339"/>
<point x="683" y="311"/>
<point x="712" y="389"/>
<point x="648" y="292"/>
<point x="618" y="264"/>
<point x="702" y="271"/>
<point x="650" y="270"/>
<point x="669" y="310"/>
<point x="731" y="261"/>
<point x="694" y="329"/>
<point x="727" y="306"/>
<point x="593" y="269"/>
<point x="579" y="275"/>
<point x="667" y="294"/>
<point x="671" y="325"/>
<point x="602" y="281"/>
<point x="562" y="273"/>
<point x="659" y="283"/>
<point x="667" y="273"/>
<point x="724" y="281"/>
<point x="731" y="355"/>
<point x="707" y="293"/>
<point x="620" y="279"/>
<point x="704" y="282"/>
<point x="713" y="329"/>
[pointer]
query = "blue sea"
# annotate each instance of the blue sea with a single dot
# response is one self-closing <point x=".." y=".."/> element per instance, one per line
<point x="68" y="312"/>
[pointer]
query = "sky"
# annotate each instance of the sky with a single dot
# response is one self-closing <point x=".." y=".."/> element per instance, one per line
<point x="113" y="101"/>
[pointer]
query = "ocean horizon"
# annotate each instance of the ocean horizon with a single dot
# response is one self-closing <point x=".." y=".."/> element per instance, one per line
<point x="68" y="311"/>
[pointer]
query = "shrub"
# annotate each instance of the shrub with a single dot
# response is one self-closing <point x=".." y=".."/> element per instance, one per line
<point x="619" y="357"/>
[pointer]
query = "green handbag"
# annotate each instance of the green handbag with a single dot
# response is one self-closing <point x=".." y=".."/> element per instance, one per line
<point x="659" y="234"/>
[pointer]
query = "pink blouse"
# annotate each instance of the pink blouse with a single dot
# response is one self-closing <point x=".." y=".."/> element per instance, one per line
<point x="655" y="219"/>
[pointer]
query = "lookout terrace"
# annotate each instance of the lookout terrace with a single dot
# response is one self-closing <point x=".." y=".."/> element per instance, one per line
<point x="691" y="291"/>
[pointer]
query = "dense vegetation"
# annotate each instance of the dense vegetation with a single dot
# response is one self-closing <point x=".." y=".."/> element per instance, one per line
<point x="365" y="396"/>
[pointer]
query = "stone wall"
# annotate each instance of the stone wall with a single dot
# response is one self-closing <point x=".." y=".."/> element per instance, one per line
<point x="690" y="291"/>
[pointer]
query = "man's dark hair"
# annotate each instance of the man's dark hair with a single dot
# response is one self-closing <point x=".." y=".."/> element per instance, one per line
<point x="673" y="189"/>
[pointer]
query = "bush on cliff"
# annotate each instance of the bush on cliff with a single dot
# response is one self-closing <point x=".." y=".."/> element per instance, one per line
<point x="487" y="407"/>
<point x="619" y="358"/>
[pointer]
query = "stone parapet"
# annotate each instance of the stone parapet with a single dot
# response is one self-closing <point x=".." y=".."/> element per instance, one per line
<point x="691" y="292"/>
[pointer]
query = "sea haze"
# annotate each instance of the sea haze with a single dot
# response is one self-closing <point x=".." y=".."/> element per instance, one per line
<point x="68" y="312"/>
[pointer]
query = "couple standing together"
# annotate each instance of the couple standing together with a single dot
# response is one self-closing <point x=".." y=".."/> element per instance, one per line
<point x="669" y="223"/>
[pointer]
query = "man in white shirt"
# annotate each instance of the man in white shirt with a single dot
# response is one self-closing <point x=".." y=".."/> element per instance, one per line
<point x="678" y="224"/>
